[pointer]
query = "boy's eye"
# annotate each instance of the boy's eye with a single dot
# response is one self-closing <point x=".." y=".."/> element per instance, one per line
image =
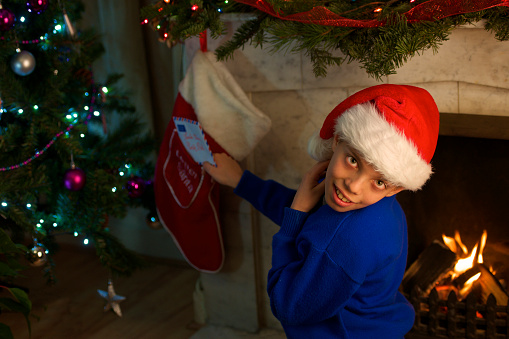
<point x="380" y="184"/>
<point x="351" y="160"/>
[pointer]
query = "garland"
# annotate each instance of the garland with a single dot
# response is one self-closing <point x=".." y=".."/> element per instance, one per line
<point x="380" y="35"/>
<point x="430" y="10"/>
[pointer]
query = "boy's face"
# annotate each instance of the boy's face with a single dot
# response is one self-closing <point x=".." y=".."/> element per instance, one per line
<point x="351" y="183"/>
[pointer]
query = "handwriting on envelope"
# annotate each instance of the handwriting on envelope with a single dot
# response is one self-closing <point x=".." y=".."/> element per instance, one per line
<point x="193" y="138"/>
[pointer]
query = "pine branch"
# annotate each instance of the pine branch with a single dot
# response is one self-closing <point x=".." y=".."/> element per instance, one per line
<point x="243" y="34"/>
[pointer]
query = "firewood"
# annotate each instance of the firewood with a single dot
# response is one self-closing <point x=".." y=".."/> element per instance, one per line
<point x="435" y="262"/>
<point x="491" y="285"/>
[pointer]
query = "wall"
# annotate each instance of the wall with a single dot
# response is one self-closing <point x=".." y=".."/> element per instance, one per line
<point x="469" y="75"/>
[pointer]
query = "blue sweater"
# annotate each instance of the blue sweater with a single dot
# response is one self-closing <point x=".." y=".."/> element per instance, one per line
<point x="334" y="275"/>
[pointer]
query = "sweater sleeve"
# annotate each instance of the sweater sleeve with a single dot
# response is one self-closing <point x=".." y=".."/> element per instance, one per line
<point x="305" y="285"/>
<point x="267" y="196"/>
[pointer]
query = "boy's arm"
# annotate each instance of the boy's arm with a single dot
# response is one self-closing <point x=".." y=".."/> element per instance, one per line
<point x="305" y="284"/>
<point x="267" y="196"/>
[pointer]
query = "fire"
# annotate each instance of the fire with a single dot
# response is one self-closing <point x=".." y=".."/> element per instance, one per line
<point x="465" y="264"/>
<point x="458" y="239"/>
<point x="466" y="261"/>
<point x="481" y="249"/>
<point x="468" y="285"/>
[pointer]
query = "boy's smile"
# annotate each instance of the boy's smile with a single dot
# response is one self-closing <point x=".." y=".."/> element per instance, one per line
<point x="352" y="183"/>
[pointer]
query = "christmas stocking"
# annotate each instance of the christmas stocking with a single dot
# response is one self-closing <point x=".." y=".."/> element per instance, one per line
<point x="211" y="114"/>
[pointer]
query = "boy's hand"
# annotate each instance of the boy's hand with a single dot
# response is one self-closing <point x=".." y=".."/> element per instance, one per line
<point x="310" y="190"/>
<point x="228" y="171"/>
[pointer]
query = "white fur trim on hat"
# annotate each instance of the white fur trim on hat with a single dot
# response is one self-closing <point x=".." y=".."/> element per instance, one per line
<point x="222" y="107"/>
<point x="380" y="144"/>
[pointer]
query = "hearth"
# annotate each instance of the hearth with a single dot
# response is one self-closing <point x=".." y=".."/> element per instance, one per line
<point x="469" y="194"/>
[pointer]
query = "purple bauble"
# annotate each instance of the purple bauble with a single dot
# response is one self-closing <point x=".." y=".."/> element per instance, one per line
<point x="37" y="6"/>
<point x="7" y="19"/>
<point x="135" y="187"/>
<point x="74" y="179"/>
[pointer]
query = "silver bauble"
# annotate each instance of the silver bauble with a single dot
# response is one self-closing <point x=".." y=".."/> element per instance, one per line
<point x="23" y="63"/>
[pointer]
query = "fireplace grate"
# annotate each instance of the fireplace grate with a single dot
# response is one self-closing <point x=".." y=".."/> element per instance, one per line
<point x="451" y="318"/>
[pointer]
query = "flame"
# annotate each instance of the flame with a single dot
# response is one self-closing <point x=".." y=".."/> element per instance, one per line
<point x="465" y="260"/>
<point x="466" y="263"/>
<point x="484" y="236"/>
<point x="468" y="284"/>
<point x="450" y="242"/>
<point x="458" y="240"/>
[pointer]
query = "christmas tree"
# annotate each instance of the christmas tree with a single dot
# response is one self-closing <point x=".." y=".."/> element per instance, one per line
<point x="63" y="168"/>
<point x="380" y="35"/>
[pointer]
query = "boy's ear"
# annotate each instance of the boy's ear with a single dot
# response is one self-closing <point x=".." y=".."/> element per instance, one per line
<point x="394" y="190"/>
<point x="335" y="142"/>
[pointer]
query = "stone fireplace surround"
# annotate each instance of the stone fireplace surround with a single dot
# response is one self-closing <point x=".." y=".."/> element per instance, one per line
<point x="469" y="79"/>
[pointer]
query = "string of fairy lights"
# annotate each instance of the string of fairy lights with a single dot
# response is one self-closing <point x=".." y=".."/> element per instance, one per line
<point x="71" y="118"/>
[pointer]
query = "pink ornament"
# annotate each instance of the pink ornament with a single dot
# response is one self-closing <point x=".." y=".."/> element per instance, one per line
<point x="7" y="19"/>
<point x="135" y="187"/>
<point x="74" y="179"/>
<point x="37" y="6"/>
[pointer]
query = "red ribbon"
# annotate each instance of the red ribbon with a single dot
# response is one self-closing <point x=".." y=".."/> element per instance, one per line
<point x="430" y="10"/>
<point x="203" y="41"/>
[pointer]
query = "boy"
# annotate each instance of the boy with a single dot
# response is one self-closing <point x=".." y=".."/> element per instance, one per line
<point x="340" y="254"/>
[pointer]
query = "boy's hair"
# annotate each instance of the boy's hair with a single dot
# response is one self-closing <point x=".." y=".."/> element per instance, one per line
<point x="393" y="127"/>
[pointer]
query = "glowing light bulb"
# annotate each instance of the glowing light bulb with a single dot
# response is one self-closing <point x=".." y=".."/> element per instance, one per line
<point x="36" y="107"/>
<point x="4" y="204"/>
<point x="85" y="241"/>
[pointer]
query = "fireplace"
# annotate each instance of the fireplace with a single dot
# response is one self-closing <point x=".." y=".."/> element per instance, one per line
<point x="468" y="193"/>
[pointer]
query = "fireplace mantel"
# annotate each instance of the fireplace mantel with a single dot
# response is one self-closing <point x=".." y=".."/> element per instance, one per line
<point x="468" y="77"/>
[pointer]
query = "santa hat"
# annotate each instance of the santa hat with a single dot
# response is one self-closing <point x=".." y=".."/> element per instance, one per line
<point x="393" y="127"/>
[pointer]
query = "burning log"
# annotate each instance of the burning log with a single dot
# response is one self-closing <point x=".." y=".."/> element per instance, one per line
<point x="435" y="262"/>
<point x="491" y="285"/>
<point x="486" y="284"/>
